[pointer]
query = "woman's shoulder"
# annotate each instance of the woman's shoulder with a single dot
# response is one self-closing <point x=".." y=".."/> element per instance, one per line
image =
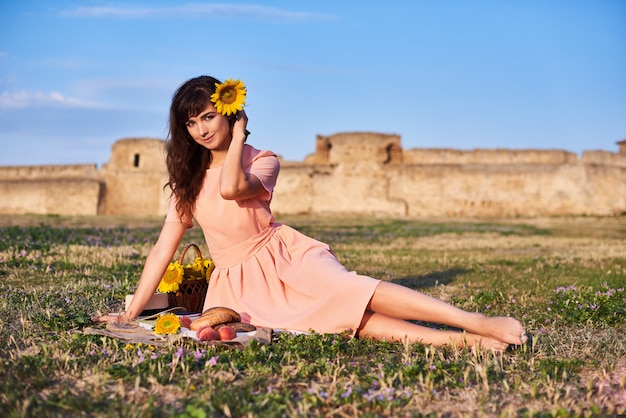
<point x="251" y="153"/>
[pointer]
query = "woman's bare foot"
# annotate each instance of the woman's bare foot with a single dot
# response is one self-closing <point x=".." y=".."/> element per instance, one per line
<point x="502" y="328"/>
<point x="486" y="343"/>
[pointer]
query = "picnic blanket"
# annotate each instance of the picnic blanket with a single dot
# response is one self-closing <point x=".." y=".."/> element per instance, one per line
<point x="140" y="331"/>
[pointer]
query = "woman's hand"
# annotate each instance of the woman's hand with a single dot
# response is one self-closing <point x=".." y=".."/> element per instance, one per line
<point x="119" y="318"/>
<point x="239" y="127"/>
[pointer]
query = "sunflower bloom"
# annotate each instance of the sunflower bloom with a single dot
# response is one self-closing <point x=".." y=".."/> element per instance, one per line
<point x="198" y="266"/>
<point x="167" y="324"/>
<point x="172" y="278"/>
<point x="229" y="97"/>
<point x="208" y="268"/>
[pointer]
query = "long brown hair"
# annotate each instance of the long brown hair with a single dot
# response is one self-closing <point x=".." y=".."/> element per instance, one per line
<point x="186" y="160"/>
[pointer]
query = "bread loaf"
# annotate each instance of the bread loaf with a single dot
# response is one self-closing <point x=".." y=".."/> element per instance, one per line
<point x="237" y="326"/>
<point x="215" y="316"/>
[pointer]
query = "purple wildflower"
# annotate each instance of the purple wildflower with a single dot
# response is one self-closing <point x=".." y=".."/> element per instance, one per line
<point x="197" y="355"/>
<point x="179" y="352"/>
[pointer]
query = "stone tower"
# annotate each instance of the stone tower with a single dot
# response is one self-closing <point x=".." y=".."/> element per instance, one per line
<point x="134" y="178"/>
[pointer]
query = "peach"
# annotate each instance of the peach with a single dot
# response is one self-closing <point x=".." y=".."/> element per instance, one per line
<point x="207" y="334"/>
<point x="227" y="333"/>
<point x="185" y="321"/>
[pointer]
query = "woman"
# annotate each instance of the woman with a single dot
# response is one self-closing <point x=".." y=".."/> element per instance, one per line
<point x="271" y="274"/>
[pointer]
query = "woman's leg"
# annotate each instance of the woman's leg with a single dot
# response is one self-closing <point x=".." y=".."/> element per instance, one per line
<point x="396" y="301"/>
<point x="378" y="326"/>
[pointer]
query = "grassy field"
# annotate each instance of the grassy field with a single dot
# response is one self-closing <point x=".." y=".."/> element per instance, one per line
<point x="563" y="277"/>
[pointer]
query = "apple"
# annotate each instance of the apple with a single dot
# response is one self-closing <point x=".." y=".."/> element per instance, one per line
<point x="227" y="333"/>
<point x="185" y="321"/>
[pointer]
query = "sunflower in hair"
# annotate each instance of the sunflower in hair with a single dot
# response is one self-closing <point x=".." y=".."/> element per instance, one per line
<point x="229" y="97"/>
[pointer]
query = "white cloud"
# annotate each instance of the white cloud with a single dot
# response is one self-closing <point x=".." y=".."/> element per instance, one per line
<point x="23" y="99"/>
<point x="197" y="10"/>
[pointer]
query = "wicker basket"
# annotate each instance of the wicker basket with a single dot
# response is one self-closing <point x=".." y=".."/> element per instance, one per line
<point x="191" y="292"/>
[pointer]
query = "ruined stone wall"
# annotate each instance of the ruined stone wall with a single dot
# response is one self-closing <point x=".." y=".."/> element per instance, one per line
<point x="338" y="178"/>
<point x="605" y="158"/>
<point x="36" y="172"/>
<point x="366" y="173"/>
<point x="50" y="189"/>
<point x="487" y="156"/>
<point x="523" y="190"/>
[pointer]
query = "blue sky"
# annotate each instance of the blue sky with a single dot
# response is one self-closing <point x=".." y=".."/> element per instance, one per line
<point x="75" y="76"/>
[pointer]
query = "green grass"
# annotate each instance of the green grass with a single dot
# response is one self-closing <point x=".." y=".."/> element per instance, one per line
<point x="563" y="277"/>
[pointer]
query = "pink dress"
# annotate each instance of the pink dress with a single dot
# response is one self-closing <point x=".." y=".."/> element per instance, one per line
<point x="271" y="274"/>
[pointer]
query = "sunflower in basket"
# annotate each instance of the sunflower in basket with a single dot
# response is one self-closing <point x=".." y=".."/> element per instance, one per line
<point x="172" y="278"/>
<point x="176" y="272"/>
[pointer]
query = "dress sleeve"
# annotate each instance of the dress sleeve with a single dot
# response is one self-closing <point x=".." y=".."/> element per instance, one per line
<point x="173" y="216"/>
<point x="265" y="166"/>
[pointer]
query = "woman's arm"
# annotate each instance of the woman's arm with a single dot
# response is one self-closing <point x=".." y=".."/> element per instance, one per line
<point x="156" y="263"/>
<point x="235" y="183"/>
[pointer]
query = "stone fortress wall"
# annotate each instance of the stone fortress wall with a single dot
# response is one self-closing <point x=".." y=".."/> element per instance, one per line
<point x="361" y="172"/>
